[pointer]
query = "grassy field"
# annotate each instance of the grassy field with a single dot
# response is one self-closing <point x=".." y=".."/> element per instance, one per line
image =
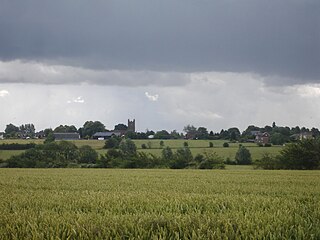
<point x="238" y="203"/>
<point x="196" y="146"/>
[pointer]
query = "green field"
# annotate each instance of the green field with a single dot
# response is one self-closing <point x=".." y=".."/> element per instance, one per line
<point x="196" y="146"/>
<point x="238" y="203"/>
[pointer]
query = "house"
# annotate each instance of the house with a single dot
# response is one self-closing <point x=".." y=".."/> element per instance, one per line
<point x="106" y="135"/>
<point x="306" y="135"/>
<point x="1" y="135"/>
<point x="302" y="136"/>
<point x="262" y="138"/>
<point x="66" y="136"/>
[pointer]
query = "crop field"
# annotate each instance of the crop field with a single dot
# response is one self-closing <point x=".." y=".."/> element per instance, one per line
<point x="159" y="204"/>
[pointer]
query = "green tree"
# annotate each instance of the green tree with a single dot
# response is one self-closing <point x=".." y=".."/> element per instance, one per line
<point x="163" y="134"/>
<point x="87" y="154"/>
<point x="113" y="142"/>
<point x="50" y="138"/>
<point x="243" y="156"/>
<point x="90" y="128"/>
<point x="167" y="153"/>
<point x="65" y="129"/>
<point x="121" y="127"/>
<point x="278" y="139"/>
<point x="11" y="130"/>
<point x="182" y="158"/>
<point x="127" y="147"/>
<point x="161" y="144"/>
<point x="304" y="154"/>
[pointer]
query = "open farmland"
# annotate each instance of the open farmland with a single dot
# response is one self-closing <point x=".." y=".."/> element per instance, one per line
<point x="196" y="146"/>
<point x="159" y="204"/>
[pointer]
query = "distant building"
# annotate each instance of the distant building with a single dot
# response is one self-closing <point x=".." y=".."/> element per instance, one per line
<point x="302" y="136"/>
<point x="306" y="135"/>
<point x="1" y="135"/>
<point x="66" y="136"/>
<point x="262" y="138"/>
<point x="106" y="135"/>
<point x="131" y="125"/>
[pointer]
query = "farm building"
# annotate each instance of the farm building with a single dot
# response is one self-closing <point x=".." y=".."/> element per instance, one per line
<point x="66" y="136"/>
<point x="106" y="135"/>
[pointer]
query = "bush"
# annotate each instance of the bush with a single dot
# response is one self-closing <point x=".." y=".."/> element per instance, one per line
<point x="243" y="156"/>
<point x="210" y="144"/>
<point x="268" y="162"/>
<point x="185" y="144"/>
<point x="113" y="142"/>
<point x="267" y="144"/>
<point x="143" y="146"/>
<point x="127" y="147"/>
<point x="211" y="161"/>
<point x="225" y="144"/>
<point x="87" y="154"/>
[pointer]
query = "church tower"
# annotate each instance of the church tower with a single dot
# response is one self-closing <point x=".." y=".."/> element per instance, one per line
<point x="131" y="125"/>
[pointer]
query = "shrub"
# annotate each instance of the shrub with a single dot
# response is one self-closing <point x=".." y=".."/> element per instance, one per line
<point x="211" y="144"/>
<point x="268" y="162"/>
<point x="143" y="146"/>
<point x="243" y="156"/>
<point x="211" y="161"/>
<point x="87" y="154"/>
<point x="113" y="142"/>
<point x="267" y="144"/>
<point x="225" y="144"/>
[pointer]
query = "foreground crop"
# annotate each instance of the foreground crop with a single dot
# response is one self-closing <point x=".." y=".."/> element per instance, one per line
<point x="165" y="204"/>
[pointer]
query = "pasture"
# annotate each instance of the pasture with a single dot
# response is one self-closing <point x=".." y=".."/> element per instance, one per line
<point x="237" y="203"/>
<point x="153" y="146"/>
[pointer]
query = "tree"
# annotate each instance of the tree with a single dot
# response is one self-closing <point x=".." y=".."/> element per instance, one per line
<point x="243" y="156"/>
<point x="113" y="142"/>
<point x="167" y="153"/>
<point x="234" y="133"/>
<point x="11" y="130"/>
<point x="50" y="138"/>
<point x="161" y="144"/>
<point x="90" y="128"/>
<point x="27" y="130"/>
<point x="127" y="147"/>
<point x="87" y="154"/>
<point x="202" y="133"/>
<point x="121" y="127"/>
<point x="163" y="134"/>
<point x="304" y="154"/>
<point x="65" y="129"/>
<point x="278" y="139"/>
<point x="182" y="158"/>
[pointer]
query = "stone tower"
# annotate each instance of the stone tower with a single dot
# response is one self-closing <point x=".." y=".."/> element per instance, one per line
<point x="131" y="125"/>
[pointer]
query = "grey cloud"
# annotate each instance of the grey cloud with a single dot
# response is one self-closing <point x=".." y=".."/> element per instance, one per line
<point x="39" y="73"/>
<point x="270" y="38"/>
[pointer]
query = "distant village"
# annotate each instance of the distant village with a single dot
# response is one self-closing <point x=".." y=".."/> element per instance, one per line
<point x="96" y="130"/>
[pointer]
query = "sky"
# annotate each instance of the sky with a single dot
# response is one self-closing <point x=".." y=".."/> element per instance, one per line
<point x="165" y="63"/>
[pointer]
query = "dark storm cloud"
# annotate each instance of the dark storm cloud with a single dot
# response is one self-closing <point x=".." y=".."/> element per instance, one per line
<point x="271" y="38"/>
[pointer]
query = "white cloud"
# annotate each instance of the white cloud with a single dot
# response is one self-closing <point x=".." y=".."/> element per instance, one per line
<point x="152" y="98"/>
<point x="4" y="93"/>
<point x="76" y="100"/>
<point x="306" y="91"/>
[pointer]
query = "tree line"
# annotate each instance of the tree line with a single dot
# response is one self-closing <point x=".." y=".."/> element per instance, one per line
<point x="278" y="134"/>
